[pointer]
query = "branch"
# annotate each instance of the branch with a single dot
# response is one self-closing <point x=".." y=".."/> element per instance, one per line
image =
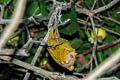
<point x="36" y="19"/>
<point x="104" y="46"/>
<point x="81" y="10"/>
<point x="40" y="72"/>
<point x="10" y="52"/>
<point x="27" y="66"/>
<point x="80" y="21"/>
<point x="89" y="24"/>
<point x="33" y="61"/>
<point x="106" y="7"/>
<point x="2" y="6"/>
<point x="14" y="24"/>
<point x="5" y="21"/>
<point x="95" y="41"/>
<point x="109" y="78"/>
<point x="108" y="63"/>
<point x="85" y="11"/>
<point x="57" y="9"/>
<point x="111" y="19"/>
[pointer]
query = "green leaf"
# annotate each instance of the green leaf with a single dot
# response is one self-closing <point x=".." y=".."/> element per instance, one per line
<point x="116" y="47"/>
<point x="87" y="2"/>
<point x="9" y="10"/>
<point x="38" y="78"/>
<point x="61" y="0"/>
<point x="109" y="38"/>
<point x="72" y="26"/>
<point x="109" y="23"/>
<point x="28" y="60"/>
<point x="4" y="1"/>
<point x="114" y="15"/>
<point x="100" y="56"/>
<point x="110" y="50"/>
<point x="117" y="28"/>
<point x="43" y="8"/>
<point x="81" y="33"/>
<point x="76" y="43"/>
<point x="118" y="73"/>
<point x="37" y="34"/>
<point x="107" y="1"/>
<point x="31" y="7"/>
<point x="6" y="13"/>
<point x="87" y="45"/>
<point x="69" y="30"/>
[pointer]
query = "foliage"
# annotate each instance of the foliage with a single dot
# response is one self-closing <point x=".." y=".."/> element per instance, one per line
<point x="72" y="31"/>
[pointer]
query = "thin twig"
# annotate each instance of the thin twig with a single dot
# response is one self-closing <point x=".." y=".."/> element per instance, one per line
<point x="104" y="46"/>
<point x="95" y="40"/>
<point x="27" y="66"/>
<point x="10" y="52"/>
<point x="108" y="63"/>
<point x="14" y="24"/>
<point x="103" y="2"/>
<point x="51" y="22"/>
<point x="33" y="61"/>
<point x="38" y="71"/>
<point x="2" y="6"/>
<point x="109" y="18"/>
<point x="106" y="7"/>
<point x="85" y="11"/>
<point x="89" y="24"/>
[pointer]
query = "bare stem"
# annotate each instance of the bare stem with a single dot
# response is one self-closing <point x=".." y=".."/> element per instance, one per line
<point x="14" y="24"/>
<point x="101" y="9"/>
<point x="33" y="61"/>
<point x="108" y="63"/>
<point x="95" y="40"/>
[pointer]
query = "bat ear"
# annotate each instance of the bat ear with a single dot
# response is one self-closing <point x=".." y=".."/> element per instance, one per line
<point x="56" y="33"/>
<point x="51" y="35"/>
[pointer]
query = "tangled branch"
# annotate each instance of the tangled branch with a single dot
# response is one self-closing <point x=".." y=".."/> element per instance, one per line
<point x="37" y="19"/>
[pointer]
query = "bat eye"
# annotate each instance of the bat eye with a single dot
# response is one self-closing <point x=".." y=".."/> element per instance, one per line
<point x="71" y="56"/>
